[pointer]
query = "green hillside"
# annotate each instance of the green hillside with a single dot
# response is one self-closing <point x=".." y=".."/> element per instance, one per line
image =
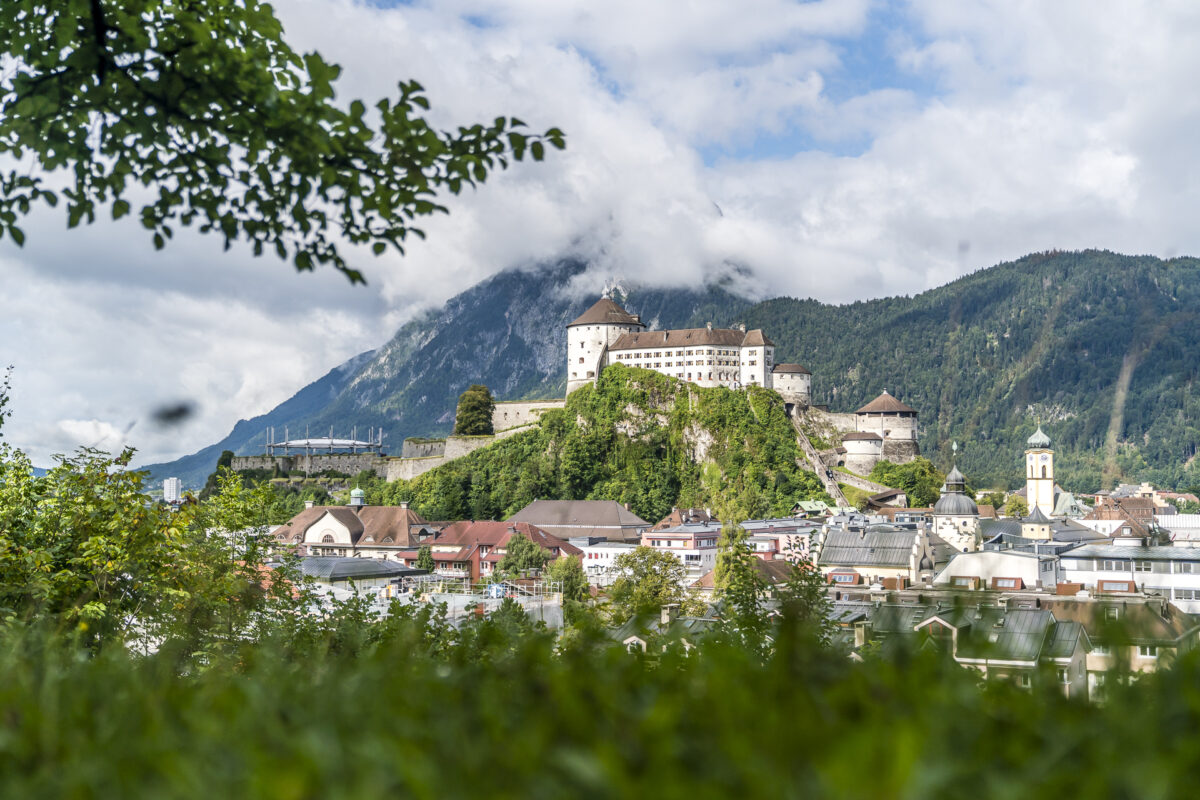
<point x="637" y="437"/>
<point x="1101" y="348"/>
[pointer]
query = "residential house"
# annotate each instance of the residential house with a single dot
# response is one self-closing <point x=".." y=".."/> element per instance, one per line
<point x="694" y="544"/>
<point x="1172" y="573"/>
<point x="1000" y="570"/>
<point x="357" y="530"/>
<point x="472" y="549"/>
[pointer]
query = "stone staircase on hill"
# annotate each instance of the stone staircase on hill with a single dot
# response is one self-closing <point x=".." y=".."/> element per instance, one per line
<point x="817" y="465"/>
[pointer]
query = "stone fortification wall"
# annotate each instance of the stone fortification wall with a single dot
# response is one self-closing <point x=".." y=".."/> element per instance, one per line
<point x="862" y="456"/>
<point x="512" y="415"/>
<point x="423" y="448"/>
<point x="453" y="447"/>
<point x="900" y="452"/>
<point x="349" y="463"/>
<point x="409" y="468"/>
<point x="842" y="423"/>
<point x="260" y="462"/>
<point x="889" y="426"/>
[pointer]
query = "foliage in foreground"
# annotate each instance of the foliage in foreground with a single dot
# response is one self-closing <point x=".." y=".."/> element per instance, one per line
<point x="636" y="437"/>
<point x="506" y="716"/>
<point x="206" y="105"/>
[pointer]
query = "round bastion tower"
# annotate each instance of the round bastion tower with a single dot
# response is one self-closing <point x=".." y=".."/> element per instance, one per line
<point x="589" y="337"/>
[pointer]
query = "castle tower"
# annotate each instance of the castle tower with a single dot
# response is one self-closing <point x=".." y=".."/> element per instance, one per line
<point x="589" y="336"/>
<point x="1039" y="473"/>
<point x="895" y="423"/>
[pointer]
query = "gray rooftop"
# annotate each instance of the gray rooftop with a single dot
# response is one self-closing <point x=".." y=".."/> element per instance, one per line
<point x="869" y="549"/>
<point x="1141" y="553"/>
<point x="336" y="568"/>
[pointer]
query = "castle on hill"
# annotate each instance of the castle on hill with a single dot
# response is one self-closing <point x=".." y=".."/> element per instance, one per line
<point x="607" y="334"/>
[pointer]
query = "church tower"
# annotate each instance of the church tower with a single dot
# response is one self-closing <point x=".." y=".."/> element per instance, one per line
<point x="1039" y="473"/>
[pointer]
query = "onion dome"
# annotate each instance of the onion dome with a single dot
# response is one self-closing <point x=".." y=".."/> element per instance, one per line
<point x="1039" y="439"/>
<point x="955" y="504"/>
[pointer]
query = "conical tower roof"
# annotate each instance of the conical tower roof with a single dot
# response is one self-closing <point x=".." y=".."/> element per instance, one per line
<point x="1037" y="517"/>
<point x="606" y="312"/>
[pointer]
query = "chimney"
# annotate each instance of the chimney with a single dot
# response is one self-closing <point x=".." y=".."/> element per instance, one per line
<point x="668" y="614"/>
<point x="862" y="633"/>
<point x="403" y="504"/>
<point x="308" y="503"/>
<point x="709" y="326"/>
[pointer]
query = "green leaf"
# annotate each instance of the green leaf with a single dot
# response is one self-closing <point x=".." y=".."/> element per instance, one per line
<point x="120" y="208"/>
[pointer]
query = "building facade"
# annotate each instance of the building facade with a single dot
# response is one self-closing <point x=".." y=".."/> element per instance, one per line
<point x="1039" y="473"/>
<point x="607" y="334"/>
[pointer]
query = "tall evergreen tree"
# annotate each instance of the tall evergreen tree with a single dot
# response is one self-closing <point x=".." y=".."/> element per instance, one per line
<point x="474" y="415"/>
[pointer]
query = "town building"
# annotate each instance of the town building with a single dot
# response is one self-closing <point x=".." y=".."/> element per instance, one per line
<point x="955" y="515"/>
<point x="693" y="543"/>
<point x="1172" y="573"/>
<point x="600" y="556"/>
<point x="880" y="552"/>
<point x="172" y="491"/>
<point x="680" y="516"/>
<point x="1000" y="570"/>
<point x="356" y="530"/>
<point x="567" y="519"/>
<point x="471" y="549"/>
<point x="607" y="334"/>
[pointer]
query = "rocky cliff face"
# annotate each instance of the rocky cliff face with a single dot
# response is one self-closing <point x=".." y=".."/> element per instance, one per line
<point x="508" y="332"/>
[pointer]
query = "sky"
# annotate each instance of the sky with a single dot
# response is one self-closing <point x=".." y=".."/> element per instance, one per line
<point x="838" y="149"/>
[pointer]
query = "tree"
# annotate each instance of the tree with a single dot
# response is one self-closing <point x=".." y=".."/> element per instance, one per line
<point x="205" y="105"/>
<point x="568" y="570"/>
<point x="994" y="499"/>
<point x="1017" y="507"/>
<point x="425" y="558"/>
<point x="521" y="554"/>
<point x="919" y="479"/>
<point x="474" y="414"/>
<point x="647" y="580"/>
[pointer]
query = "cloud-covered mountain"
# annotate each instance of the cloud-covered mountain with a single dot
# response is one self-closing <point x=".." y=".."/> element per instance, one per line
<point x="508" y="332"/>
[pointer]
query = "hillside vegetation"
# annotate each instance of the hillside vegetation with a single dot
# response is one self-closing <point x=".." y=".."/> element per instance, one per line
<point x="1100" y="348"/>
<point x="636" y="437"/>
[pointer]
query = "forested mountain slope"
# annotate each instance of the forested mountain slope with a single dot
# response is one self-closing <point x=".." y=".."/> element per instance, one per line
<point x="1101" y="348"/>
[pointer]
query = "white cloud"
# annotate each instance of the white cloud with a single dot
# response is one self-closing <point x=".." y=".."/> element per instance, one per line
<point x="1064" y="124"/>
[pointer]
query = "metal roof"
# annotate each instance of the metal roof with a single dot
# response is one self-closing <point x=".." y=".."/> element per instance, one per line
<point x="868" y="549"/>
<point x="1063" y="640"/>
<point x="999" y="634"/>
<point x="1139" y="552"/>
<point x="337" y="568"/>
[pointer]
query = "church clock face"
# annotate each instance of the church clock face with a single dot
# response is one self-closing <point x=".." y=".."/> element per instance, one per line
<point x="1045" y="457"/>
